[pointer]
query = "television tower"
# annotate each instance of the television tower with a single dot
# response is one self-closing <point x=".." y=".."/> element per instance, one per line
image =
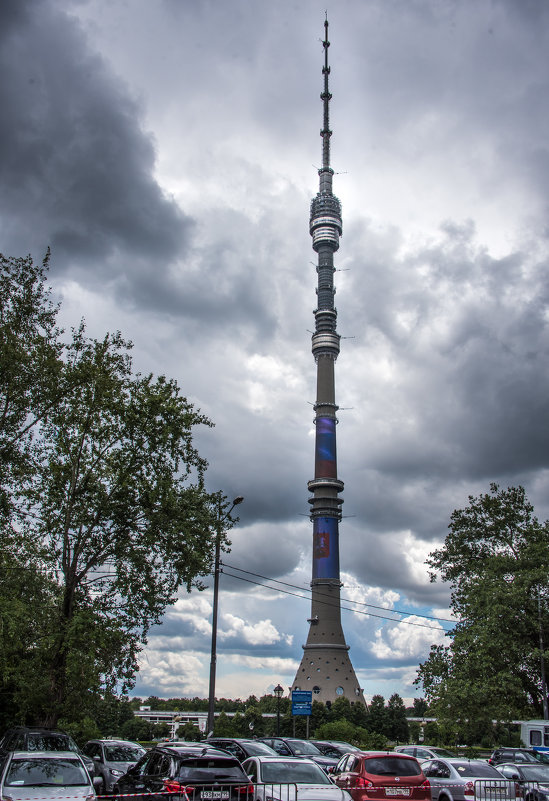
<point x="326" y="667"/>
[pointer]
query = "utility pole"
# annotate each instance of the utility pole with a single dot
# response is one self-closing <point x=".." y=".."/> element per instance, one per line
<point x="213" y="659"/>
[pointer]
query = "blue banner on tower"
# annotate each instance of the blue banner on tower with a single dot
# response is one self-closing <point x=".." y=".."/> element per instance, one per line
<point x="325" y="450"/>
<point x="325" y="547"/>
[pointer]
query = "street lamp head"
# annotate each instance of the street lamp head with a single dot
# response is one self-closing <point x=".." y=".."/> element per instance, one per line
<point x="238" y="500"/>
<point x="278" y="690"/>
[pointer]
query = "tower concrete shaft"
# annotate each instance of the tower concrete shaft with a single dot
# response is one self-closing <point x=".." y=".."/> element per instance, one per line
<point x="326" y="668"/>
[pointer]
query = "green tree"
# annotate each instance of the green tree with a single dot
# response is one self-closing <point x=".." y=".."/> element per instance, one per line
<point x="377" y="715"/>
<point x="397" y="725"/>
<point x="253" y="721"/>
<point x="496" y="559"/>
<point x="188" y="731"/>
<point x="419" y="708"/>
<point x="224" y="726"/>
<point x="104" y="514"/>
<point x="30" y="380"/>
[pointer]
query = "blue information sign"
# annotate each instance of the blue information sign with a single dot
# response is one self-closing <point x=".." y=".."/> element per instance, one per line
<point x="302" y="701"/>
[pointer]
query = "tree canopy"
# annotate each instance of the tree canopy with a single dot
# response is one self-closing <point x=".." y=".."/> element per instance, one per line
<point x="105" y="515"/>
<point x="496" y="558"/>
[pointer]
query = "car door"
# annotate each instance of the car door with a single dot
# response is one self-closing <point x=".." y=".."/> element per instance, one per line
<point x="438" y="773"/>
<point x="339" y="769"/>
<point x="136" y="780"/>
<point x="348" y="773"/>
<point x="158" y="770"/>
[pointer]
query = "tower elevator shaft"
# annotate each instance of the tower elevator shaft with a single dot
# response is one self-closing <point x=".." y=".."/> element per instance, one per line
<point x="326" y="667"/>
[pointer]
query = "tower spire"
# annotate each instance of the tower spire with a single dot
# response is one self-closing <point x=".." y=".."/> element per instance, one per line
<point x="325" y="667"/>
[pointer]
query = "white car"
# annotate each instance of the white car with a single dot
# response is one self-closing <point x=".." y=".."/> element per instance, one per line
<point x="45" y="775"/>
<point x="291" y="779"/>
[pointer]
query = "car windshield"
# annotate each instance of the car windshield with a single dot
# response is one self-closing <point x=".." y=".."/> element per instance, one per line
<point x="295" y="772"/>
<point x="45" y="772"/>
<point x="303" y="747"/>
<point x="442" y="752"/>
<point x="477" y="769"/>
<point x="123" y="753"/>
<point x="535" y="773"/>
<point x="206" y="769"/>
<point x="392" y="766"/>
<point x="50" y="742"/>
<point x="258" y="749"/>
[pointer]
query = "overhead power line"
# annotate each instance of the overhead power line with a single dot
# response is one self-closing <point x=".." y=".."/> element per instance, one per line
<point x="329" y="602"/>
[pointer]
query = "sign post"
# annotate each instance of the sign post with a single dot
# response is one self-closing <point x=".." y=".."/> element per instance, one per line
<point x="302" y="702"/>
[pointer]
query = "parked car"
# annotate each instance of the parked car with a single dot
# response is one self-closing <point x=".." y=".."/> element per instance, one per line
<point x="291" y="746"/>
<point x="467" y="780"/>
<point x="192" y="772"/>
<point x="381" y="774"/>
<point x="112" y="759"/>
<point x="515" y="755"/>
<point x="288" y="779"/>
<point x="424" y="751"/>
<point x="532" y="779"/>
<point x="45" y="775"/>
<point x="334" y="748"/>
<point x="25" y="738"/>
<point x="241" y="747"/>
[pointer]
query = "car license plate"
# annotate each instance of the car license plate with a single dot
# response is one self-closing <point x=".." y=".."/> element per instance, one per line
<point x="215" y="795"/>
<point x="397" y="791"/>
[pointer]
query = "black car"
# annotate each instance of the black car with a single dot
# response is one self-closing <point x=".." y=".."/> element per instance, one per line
<point x="241" y="747"/>
<point x="514" y="755"/>
<point x="291" y="746"/>
<point x="25" y="738"/>
<point x="199" y="773"/>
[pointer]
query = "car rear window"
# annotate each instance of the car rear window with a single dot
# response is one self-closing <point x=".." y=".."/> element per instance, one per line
<point x="392" y="766"/>
<point x="297" y="772"/>
<point x="206" y="769"/>
<point x="477" y="769"/>
<point x="48" y="742"/>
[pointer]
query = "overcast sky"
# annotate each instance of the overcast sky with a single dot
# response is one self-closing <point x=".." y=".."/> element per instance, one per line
<point x="167" y="151"/>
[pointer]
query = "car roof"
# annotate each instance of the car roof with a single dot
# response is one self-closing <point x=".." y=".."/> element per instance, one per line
<point x="46" y="755"/>
<point x="192" y="751"/>
<point x="115" y="741"/>
<point x="279" y="758"/>
<point x="454" y="761"/>
<point x="383" y="754"/>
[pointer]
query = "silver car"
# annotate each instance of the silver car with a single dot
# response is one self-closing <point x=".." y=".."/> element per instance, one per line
<point x="45" y="775"/>
<point x="112" y="759"/>
<point x="466" y="780"/>
<point x="279" y="778"/>
<point x="421" y="752"/>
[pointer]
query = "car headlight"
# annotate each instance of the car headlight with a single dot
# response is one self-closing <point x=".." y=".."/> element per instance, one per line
<point x="115" y="772"/>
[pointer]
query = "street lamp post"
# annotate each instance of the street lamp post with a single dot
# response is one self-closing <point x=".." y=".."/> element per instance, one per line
<point x="213" y="659"/>
<point x="278" y="690"/>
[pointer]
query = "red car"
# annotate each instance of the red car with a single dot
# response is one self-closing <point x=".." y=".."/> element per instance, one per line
<point x="376" y="775"/>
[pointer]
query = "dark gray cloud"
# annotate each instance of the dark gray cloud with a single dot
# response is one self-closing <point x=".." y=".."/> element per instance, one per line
<point x="77" y="169"/>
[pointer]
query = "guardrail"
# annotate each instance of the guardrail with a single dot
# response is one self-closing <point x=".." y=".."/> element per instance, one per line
<point x="473" y="790"/>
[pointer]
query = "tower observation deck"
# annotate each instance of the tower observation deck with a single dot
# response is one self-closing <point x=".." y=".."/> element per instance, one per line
<point x="326" y="667"/>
